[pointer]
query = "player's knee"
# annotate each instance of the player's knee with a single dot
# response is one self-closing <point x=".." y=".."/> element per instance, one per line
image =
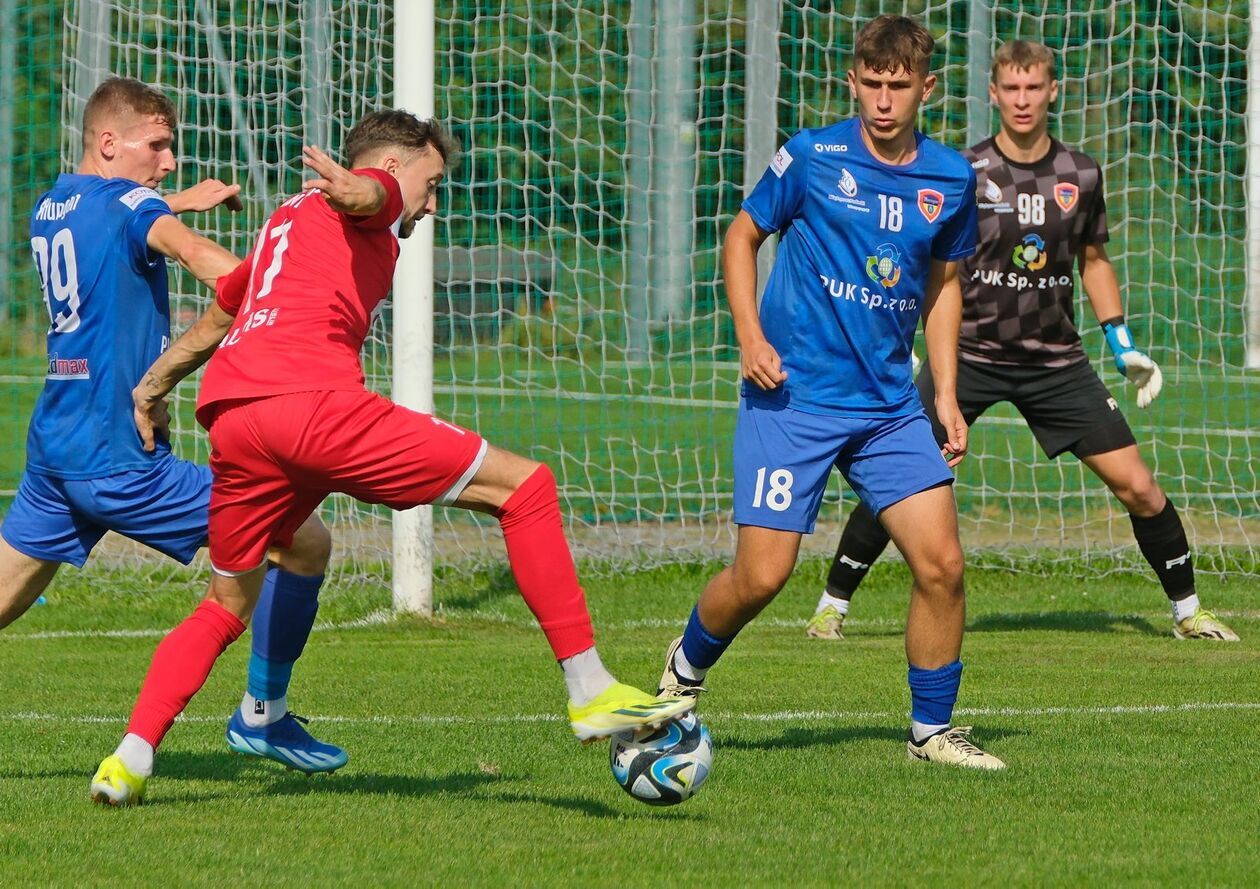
<point x="941" y="575"/>
<point x="311" y="549"/>
<point x="1141" y="495"/>
<point x="758" y="583"/>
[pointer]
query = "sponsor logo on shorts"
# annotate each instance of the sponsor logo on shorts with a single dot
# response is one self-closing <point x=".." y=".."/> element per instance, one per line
<point x="1111" y="403"/>
<point x="885" y="266"/>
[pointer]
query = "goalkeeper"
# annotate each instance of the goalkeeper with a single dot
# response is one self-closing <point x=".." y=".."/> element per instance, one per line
<point x="1041" y="210"/>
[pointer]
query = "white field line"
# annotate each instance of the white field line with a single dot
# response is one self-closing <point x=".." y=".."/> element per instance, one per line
<point x="383" y="617"/>
<point x="710" y="716"/>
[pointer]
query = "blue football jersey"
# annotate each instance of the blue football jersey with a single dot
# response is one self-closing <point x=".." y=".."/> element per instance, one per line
<point x="856" y="240"/>
<point x="107" y="299"/>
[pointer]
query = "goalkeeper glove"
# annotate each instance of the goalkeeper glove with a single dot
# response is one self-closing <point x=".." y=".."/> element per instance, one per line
<point x="1137" y="367"/>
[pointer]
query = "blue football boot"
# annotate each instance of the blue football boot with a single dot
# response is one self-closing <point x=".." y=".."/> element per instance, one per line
<point x="286" y="742"/>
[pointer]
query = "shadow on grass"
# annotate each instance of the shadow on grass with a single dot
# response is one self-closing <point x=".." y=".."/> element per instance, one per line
<point x="1071" y="621"/>
<point x="801" y="738"/>
<point x="491" y="585"/>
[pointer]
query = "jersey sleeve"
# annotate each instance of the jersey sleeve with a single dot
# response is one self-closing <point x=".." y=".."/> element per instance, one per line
<point x="229" y="291"/>
<point x="957" y="238"/>
<point x="1096" y="223"/>
<point x="144" y="206"/>
<point x="389" y="213"/>
<point x="780" y="194"/>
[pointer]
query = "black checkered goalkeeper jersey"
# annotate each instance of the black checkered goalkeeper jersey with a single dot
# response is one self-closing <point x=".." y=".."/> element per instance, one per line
<point x="1035" y="219"/>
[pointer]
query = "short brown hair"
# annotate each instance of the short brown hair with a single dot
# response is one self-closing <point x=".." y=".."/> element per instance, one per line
<point x="893" y="42"/>
<point x="120" y="96"/>
<point x="382" y="129"/>
<point x="1022" y="54"/>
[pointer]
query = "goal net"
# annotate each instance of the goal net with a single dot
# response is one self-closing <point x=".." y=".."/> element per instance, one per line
<point x="579" y="316"/>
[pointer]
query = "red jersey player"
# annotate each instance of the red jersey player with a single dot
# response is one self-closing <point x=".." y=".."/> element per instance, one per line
<point x="290" y="421"/>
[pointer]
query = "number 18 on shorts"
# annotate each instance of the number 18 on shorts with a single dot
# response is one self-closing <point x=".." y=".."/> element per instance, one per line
<point x="784" y="458"/>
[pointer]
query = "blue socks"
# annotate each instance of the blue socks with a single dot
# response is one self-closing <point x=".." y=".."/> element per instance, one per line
<point x="932" y="697"/>
<point x="282" y="624"/>
<point x="700" y="647"/>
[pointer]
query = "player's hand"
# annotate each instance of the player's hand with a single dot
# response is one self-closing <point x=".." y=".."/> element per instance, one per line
<point x="954" y="448"/>
<point x="346" y="192"/>
<point x="206" y="195"/>
<point x="1141" y="371"/>
<point x="761" y="365"/>
<point x="152" y="418"/>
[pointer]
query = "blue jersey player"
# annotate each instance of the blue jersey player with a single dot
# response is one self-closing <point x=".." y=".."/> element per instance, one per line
<point x="872" y="219"/>
<point x="100" y="238"/>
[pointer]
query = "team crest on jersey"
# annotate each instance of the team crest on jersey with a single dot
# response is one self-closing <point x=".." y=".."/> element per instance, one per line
<point x="992" y="191"/>
<point x="885" y="266"/>
<point x="1066" y="194"/>
<point x="930" y="203"/>
<point x="1030" y="253"/>
<point x="848" y="184"/>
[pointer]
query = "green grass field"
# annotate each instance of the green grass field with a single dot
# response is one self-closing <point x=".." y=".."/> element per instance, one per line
<point x="1130" y="754"/>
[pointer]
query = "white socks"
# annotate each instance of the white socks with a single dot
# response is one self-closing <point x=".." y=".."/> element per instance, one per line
<point x="841" y="605"/>
<point x="136" y="754"/>
<point x="1183" y="608"/>
<point x="258" y="713"/>
<point x="585" y="676"/>
<point x="921" y="731"/>
<point x="685" y="670"/>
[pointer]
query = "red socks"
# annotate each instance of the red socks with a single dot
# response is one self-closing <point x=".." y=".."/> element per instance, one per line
<point x="543" y="566"/>
<point x="180" y="667"/>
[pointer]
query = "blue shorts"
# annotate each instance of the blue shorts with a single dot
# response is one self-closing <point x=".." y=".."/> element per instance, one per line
<point x="166" y="506"/>
<point x="784" y="457"/>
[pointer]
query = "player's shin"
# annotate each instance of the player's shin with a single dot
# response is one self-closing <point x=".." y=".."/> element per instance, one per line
<point x="543" y="567"/>
<point x="282" y="625"/>
<point x="180" y="667"/>
<point x="1162" y="540"/>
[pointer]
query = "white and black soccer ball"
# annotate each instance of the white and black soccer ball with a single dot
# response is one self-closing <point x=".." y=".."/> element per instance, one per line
<point x="665" y="767"/>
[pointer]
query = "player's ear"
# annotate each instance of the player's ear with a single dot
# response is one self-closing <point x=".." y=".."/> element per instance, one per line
<point x="852" y="78"/>
<point x="107" y="143"/>
<point x="929" y="84"/>
<point x="1054" y="90"/>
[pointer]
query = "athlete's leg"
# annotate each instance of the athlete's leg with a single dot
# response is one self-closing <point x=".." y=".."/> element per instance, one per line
<point x="283" y="620"/>
<point x="1161" y="537"/>
<point x="22" y="580"/>
<point x="924" y="527"/>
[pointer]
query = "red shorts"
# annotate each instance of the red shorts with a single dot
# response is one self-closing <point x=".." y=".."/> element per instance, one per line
<point x="275" y="459"/>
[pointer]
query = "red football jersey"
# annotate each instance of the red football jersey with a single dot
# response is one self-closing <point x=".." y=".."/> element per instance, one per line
<point x="303" y="300"/>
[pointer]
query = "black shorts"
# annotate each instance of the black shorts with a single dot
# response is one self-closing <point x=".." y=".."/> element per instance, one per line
<point x="1067" y="408"/>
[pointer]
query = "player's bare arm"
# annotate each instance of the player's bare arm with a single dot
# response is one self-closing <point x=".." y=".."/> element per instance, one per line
<point x="205" y="259"/>
<point x="1098" y="277"/>
<point x="760" y="363"/>
<point x="206" y="195"/>
<point x="346" y="192"/>
<point x="185" y="355"/>
<point x="942" y="317"/>
<point x="1102" y="287"/>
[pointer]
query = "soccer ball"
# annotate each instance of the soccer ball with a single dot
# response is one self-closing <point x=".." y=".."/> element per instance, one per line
<point x="665" y="767"/>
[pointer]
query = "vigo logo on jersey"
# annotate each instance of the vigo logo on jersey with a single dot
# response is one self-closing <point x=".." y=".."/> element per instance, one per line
<point x="1030" y="253"/>
<point x="885" y="266"/>
<point x="864" y="296"/>
<point x="1066" y="195"/>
